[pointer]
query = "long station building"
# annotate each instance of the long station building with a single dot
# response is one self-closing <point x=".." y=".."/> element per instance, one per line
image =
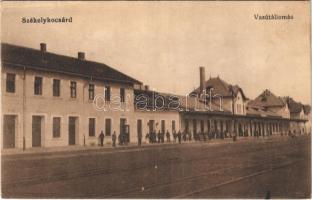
<point x="55" y="100"/>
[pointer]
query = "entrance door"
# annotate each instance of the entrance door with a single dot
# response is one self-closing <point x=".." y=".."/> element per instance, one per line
<point x="9" y="131"/>
<point x="123" y="130"/>
<point x="163" y="126"/>
<point x="36" y="131"/>
<point x="240" y="130"/>
<point x="72" y="130"/>
<point x="139" y="127"/>
<point x="151" y="126"/>
<point x="186" y="125"/>
<point x="194" y="126"/>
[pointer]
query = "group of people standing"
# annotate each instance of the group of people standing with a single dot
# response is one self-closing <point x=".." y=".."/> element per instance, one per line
<point x="184" y="136"/>
<point x="159" y="137"/>
<point x="122" y="139"/>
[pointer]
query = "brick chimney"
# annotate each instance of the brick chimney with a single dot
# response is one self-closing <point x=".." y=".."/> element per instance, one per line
<point x="202" y="78"/>
<point x="81" y="55"/>
<point x="43" y="47"/>
<point x="43" y="50"/>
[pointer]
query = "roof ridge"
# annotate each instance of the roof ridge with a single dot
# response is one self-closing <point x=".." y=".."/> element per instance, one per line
<point x="224" y="84"/>
<point x="68" y="60"/>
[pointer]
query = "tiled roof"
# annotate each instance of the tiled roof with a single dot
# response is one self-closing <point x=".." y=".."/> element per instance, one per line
<point x="294" y="107"/>
<point x="307" y="109"/>
<point x="171" y="101"/>
<point x="266" y="99"/>
<point x="35" y="59"/>
<point x="221" y="87"/>
<point x="253" y="111"/>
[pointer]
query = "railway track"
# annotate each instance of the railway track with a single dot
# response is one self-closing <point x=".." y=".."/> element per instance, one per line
<point x="107" y="171"/>
<point x="97" y="171"/>
<point x="235" y="180"/>
<point x="202" y="176"/>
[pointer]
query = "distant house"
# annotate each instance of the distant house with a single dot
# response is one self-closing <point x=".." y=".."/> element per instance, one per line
<point x="269" y="102"/>
<point x="307" y="116"/>
<point x="307" y="111"/>
<point x="229" y="97"/>
<point x="299" y="111"/>
<point x="296" y="109"/>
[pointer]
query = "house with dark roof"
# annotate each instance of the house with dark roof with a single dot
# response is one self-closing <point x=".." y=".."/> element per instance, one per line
<point x="233" y="116"/>
<point x="285" y="107"/>
<point x="56" y="100"/>
<point x="270" y="103"/>
<point x="301" y="112"/>
<point x="308" y="117"/>
<point x="307" y="109"/>
<point x="231" y="97"/>
<point x="296" y="109"/>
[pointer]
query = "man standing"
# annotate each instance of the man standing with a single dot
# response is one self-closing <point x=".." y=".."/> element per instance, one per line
<point x="168" y="136"/>
<point x="148" y="137"/>
<point x="179" y="136"/>
<point x="139" y="138"/>
<point x="174" y="134"/>
<point x="162" y="137"/>
<point x="102" y="138"/>
<point x="159" y="136"/>
<point x="114" y="139"/>
<point x="184" y="136"/>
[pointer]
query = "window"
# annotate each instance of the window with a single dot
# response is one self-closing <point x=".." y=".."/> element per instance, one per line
<point x="38" y="86"/>
<point x="10" y="83"/>
<point x="91" y="127"/>
<point x="107" y="93"/>
<point x="122" y="94"/>
<point x="56" y="127"/>
<point x="108" y="127"/>
<point x="91" y="91"/>
<point x="73" y="89"/>
<point x="56" y="87"/>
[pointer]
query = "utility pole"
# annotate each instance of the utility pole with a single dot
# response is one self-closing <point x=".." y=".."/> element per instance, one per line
<point x="24" y="103"/>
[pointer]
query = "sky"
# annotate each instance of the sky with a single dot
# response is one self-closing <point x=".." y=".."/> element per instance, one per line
<point x="163" y="44"/>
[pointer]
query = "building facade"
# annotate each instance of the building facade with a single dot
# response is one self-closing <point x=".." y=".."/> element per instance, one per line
<point x="54" y="100"/>
<point x="45" y="104"/>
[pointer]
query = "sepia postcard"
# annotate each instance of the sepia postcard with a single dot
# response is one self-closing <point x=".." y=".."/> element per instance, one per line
<point x="155" y="99"/>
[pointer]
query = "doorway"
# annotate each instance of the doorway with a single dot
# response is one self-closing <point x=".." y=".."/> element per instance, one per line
<point x="124" y="129"/>
<point x="9" y="131"/>
<point x="36" y="131"/>
<point x="151" y="125"/>
<point x="72" y="130"/>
